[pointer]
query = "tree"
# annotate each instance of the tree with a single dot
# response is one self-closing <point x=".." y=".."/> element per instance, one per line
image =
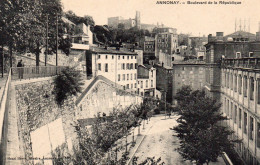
<point x="202" y="138"/>
<point x="66" y="84"/>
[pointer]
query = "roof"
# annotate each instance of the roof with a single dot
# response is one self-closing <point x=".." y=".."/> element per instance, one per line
<point x="189" y="62"/>
<point x="241" y="33"/>
<point x="112" y="50"/>
<point x="64" y="19"/>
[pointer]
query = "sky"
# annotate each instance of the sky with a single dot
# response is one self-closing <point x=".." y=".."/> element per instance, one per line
<point x="195" y="19"/>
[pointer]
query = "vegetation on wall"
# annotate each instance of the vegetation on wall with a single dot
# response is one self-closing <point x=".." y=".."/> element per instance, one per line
<point x="68" y="83"/>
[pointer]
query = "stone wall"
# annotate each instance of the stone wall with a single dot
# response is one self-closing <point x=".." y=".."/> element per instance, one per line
<point x="36" y="107"/>
<point x="103" y="98"/>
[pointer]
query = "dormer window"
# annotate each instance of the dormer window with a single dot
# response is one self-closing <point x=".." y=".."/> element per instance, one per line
<point x="238" y="54"/>
<point x="251" y="54"/>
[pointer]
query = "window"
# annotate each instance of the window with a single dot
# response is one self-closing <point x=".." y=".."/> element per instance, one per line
<point x="127" y="77"/>
<point x="183" y="68"/>
<point x="235" y="83"/>
<point x="135" y="65"/>
<point x="238" y="54"/>
<point x="235" y="115"/>
<point x="240" y="118"/>
<point x="119" y="57"/>
<point x="228" y="108"/>
<point x="106" y="56"/>
<point x="98" y="56"/>
<point x="135" y="76"/>
<point x="127" y="86"/>
<point x="123" y="77"/>
<point x="258" y="135"/>
<point x="128" y="57"/>
<point x="123" y="57"/>
<point x="119" y="77"/>
<point x="231" y="82"/>
<point x="135" y="57"/>
<point x="141" y="84"/>
<point x="239" y="83"/>
<point x="106" y="67"/>
<point x="231" y="111"/>
<point x="152" y="73"/>
<point x="112" y="57"/>
<point x="245" y="86"/>
<point x="251" y="129"/>
<point x="127" y="65"/>
<point x="123" y="66"/>
<point x="172" y="58"/>
<point x="258" y="95"/>
<point x="99" y="66"/>
<point x="245" y="123"/>
<point x="131" y="76"/>
<point x="151" y="83"/>
<point x="251" y="54"/>
<point x="252" y="85"/>
<point x="146" y="83"/>
<point x="131" y="57"/>
<point x="135" y="85"/>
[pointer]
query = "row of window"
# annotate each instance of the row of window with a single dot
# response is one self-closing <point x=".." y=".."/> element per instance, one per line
<point x="127" y="66"/>
<point x="119" y="57"/>
<point x="242" y="119"/>
<point x="162" y="45"/>
<point x="124" y="66"/>
<point x="239" y="83"/>
<point x="146" y="84"/>
<point x="126" y="77"/>
<point x="130" y="86"/>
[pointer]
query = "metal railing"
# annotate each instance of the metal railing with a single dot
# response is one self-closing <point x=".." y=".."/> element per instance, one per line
<point x="35" y="72"/>
<point x="5" y="90"/>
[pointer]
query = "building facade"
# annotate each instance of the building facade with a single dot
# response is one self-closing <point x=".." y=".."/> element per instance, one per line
<point x="188" y="73"/>
<point x="166" y="42"/>
<point x="232" y="78"/>
<point x="164" y="82"/>
<point x="128" y="23"/>
<point x="240" y="97"/>
<point x="119" y="66"/>
<point x="146" y="78"/>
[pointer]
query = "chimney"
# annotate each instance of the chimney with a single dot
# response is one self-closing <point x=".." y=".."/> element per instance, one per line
<point x="209" y="37"/>
<point x="219" y="36"/>
<point x="257" y="36"/>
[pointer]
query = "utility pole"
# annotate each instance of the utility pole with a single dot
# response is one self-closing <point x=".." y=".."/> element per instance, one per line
<point x="46" y="51"/>
<point x="165" y="103"/>
<point x="57" y="31"/>
<point x="2" y="57"/>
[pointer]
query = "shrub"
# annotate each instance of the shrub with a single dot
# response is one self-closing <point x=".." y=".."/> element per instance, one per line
<point x="66" y="84"/>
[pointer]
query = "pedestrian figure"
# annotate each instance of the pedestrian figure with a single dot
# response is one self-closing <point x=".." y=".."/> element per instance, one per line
<point x="20" y="69"/>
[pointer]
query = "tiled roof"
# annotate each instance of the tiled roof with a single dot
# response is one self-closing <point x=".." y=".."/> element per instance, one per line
<point x="112" y="50"/>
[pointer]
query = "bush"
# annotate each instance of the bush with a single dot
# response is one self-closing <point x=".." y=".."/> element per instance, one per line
<point x="66" y="84"/>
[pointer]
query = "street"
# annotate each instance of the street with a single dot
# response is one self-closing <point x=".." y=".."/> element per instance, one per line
<point x="159" y="142"/>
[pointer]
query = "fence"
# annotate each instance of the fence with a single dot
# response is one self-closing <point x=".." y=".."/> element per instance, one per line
<point x="35" y="72"/>
<point x="4" y="118"/>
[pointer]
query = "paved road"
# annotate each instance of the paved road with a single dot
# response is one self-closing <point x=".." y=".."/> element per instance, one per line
<point x="159" y="142"/>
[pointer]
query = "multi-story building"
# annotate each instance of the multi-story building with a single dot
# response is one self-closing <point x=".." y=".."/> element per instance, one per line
<point x="191" y="72"/>
<point x="233" y="78"/>
<point x="146" y="78"/>
<point x="164" y="81"/>
<point x="118" y="65"/>
<point x="166" y="42"/>
<point x="240" y="97"/>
